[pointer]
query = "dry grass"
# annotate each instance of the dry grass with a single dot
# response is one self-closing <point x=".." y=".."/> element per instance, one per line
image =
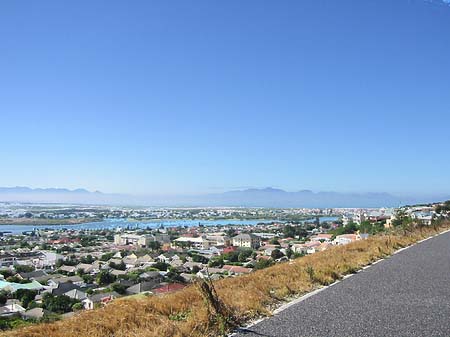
<point x="186" y="313"/>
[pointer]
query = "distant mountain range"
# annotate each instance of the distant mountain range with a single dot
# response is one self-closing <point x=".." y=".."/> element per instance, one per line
<point x="253" y="197"/>
<point x="23" y="189"/>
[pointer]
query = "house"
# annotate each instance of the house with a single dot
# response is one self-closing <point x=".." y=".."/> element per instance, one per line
<point x="47" y="259"/>
<point x="85" y="267"/>
<point x="33" y="275"/>
<point x="323" y="246"/>
<point x="345" y="239"/>
<point x="229" y="249"/>
<point x="425" y="218"/>
<point x="35" y="313"/>
<point x="141" y="287"/>
<point x="191" y="265"/>
<point x="151" y="275"/>
<point x="211" y="272"/>
<point x="76" y="294"/>
<point x="11" y="309"/>
<point x="247" y="241"/>
<point x="187" y="277"/>
<point x="77" y="280"/>
<point x="143" y="260"/>
<point x="198" y="242"/>
<point x="67" y="269"/>
<point x="130" y="261"/>
<point x="63" y="288"/>
<point x="237" y="270"/>
<point x="176" y="263"/>
<point x="306" y="248"/>
<point x="321" y="237"/>
<point x="117" y="272"/>
<point x="133" y="239"/>
<point x="12" y="286"/>
<point x="218" y="240"/>
<point x="99" y="299"/>
<point x="168" y="288"/>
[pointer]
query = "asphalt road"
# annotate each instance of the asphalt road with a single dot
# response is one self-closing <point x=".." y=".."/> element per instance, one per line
<point x="407" y="294"/>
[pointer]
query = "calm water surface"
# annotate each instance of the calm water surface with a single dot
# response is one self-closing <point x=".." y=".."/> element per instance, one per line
<point x="124" y="223"/>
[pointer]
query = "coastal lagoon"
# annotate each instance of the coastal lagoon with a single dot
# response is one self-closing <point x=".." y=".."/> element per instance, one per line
<point x="134" y="224"/>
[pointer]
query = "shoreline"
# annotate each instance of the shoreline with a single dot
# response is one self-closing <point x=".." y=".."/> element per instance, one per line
<point x="45" y="222"/>
<point x="75" y="222"/>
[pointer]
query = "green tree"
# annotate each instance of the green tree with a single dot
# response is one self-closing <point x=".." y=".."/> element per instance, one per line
<point x="118" y="266"/>
<point x="25" y="296"/>
<point x="161" y="266"/>
<point x="276" y="254"/>
<point x="262" y="263"/>
<point x="154" y="245"/>
<point x="105" y="278"/>
<point x="274" y="241"/>
<point x="77" y="306"/>
<point x="119" y="288"/>
<point x="4" y="296"/>
<point x="23" y="268"/>
<point x="289" y="253"/>
<point x="289" y="231"/>
<point x="58" y="304"/>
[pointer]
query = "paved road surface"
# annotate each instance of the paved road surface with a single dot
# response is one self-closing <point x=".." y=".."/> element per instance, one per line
<point x="405" y="295"/>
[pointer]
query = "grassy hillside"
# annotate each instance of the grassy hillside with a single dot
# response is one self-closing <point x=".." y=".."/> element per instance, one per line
<point x="197" y="311"/>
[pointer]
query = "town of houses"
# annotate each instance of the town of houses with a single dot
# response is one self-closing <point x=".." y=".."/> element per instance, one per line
<point x="55" y="273"/>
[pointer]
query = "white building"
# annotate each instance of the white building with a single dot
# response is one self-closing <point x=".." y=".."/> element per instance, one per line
<point x="247" y="240"/>
<point x="132" y="239"/>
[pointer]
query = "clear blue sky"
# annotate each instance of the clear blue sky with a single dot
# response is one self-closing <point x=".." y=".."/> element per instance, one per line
<point x="200" y="96"/>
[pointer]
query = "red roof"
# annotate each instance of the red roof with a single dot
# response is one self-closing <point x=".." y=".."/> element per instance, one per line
<point x="168" y="288"/>
<point x="229" y="249"/>
<point x="237" y="269"/>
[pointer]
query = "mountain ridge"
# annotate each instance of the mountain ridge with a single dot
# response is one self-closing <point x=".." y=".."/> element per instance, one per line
<point x="250" y="197"/>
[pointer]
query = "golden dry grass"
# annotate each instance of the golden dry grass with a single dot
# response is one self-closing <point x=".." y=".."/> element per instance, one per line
<point x="185" y="313"/>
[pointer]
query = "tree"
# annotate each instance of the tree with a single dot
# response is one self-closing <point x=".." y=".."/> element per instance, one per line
<point x="77" y="306"/>
<point x="231" y="256"/>
<point x="105" y="278"/>
<point x="289" y="252"/>
<point x="216" y="261"/>
<point x="118" y="266"/>
<point x="25" y="296"/>
<point x="276" y="254"/>
<point x="242" y="257"/>
<point x="23" y="268"/>
<point x="301" y="232"/>
<point x="59" y="304"/>
<point x="87" y="278"/>
<point x="106" y="256"/>
<point x="119" y="288"/>
<point x="87" y="259"/>
<point x="262" y="263"/>
<point x="274" y="241"/>
<point x="161" y="266"/>
<point x="6" y="273"/>
<point x="154" y="245"/>
<point x="289" y="231"/>
<point x="3" y="297"/>
<point x="244" y="254"/>
<point x="199" y="258"/>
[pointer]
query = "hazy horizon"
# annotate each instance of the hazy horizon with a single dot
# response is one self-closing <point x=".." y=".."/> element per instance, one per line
<point x="266" y="197"/>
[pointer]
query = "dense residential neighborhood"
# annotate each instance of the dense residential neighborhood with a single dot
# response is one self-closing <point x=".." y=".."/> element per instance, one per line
<point x="50" y="273"/>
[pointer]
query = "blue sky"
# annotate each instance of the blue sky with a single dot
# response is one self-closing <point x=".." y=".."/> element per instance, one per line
<point x="154" y="97"/>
